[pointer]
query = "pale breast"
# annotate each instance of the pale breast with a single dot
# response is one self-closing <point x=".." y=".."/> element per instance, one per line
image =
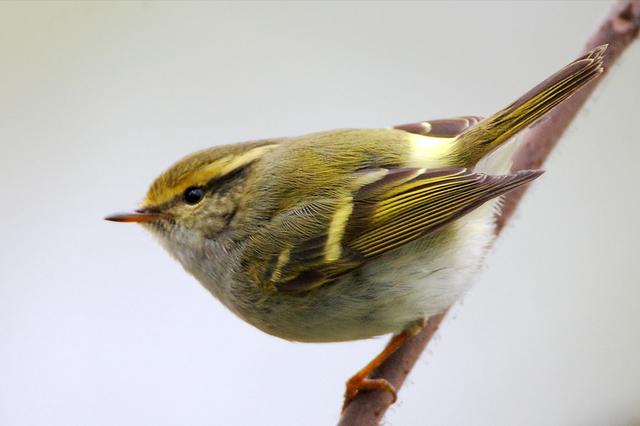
<point x="385" y="296"/>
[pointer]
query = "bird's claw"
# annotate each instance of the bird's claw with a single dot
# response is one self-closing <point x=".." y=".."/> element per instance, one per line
<point x="357" y="385"/>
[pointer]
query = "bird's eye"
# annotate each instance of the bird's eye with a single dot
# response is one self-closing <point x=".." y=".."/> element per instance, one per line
<point x="193" y="195"/>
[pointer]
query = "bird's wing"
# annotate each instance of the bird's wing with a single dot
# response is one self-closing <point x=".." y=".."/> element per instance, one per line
<point x="442" y="128"/>
<point x="317" y="241"/>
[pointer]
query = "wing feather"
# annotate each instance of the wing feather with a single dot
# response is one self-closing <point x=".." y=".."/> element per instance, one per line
<point x="340" y="235"/>
<point x="441" y="128"/>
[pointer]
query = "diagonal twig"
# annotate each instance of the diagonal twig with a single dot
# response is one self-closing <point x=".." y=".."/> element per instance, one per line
<point x="619" y="28"/>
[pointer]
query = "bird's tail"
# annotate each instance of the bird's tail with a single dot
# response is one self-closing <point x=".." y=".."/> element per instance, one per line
<point x="493" y="131"/>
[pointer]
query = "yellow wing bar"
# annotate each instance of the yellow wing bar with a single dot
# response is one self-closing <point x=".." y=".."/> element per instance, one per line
<point x="432" y="199"/>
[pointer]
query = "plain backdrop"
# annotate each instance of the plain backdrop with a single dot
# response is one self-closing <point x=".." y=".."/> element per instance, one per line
<point x="98" y="326"/>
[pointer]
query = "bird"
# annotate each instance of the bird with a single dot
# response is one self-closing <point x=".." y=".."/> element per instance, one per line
<point x="351" y="233"/>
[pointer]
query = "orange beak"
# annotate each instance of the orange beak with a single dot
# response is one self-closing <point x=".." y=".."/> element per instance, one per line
<point x="140" y="216"/>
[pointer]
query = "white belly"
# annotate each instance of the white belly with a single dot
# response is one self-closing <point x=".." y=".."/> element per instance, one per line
<point x="391" y="292"/>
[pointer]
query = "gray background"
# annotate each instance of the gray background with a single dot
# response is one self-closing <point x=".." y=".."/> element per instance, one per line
<point x="99" y="327"/>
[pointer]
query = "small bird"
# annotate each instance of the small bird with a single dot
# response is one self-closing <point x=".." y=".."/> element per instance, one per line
<point x="351" y="233"/>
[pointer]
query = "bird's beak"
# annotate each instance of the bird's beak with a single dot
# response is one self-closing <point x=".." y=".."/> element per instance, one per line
<point x="140" y="216"/>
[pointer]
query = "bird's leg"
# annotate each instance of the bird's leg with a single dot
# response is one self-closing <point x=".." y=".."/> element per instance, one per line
<point x="361" y="381"/>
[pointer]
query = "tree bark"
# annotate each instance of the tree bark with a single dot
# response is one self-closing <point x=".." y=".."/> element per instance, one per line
<point x="619" y="29"/>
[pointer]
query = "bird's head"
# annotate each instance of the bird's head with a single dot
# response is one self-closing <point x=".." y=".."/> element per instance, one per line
<point x="199" y="196"/>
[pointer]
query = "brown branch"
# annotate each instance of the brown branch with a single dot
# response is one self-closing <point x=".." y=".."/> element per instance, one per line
<point x="618" y="30"/>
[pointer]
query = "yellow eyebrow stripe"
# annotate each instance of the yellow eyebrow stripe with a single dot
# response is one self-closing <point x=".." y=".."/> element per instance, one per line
<point x="228" y="164"/>
<point x="205" y="174"/>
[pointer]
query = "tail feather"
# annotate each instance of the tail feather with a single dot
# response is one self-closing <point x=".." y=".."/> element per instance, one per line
<point x="493" y="131"/>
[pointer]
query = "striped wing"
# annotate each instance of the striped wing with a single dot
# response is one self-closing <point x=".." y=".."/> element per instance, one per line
<point x="333" y="237"/>
<point x="441" y="128"/>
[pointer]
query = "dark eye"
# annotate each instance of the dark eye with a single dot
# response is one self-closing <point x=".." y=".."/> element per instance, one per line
<point x="193" y="195"/>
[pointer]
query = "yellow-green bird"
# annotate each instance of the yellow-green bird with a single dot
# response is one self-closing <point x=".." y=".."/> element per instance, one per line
<point x="350" y="233"/>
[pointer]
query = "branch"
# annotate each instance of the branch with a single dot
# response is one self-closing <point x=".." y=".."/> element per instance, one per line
<point x="618" y="30"/>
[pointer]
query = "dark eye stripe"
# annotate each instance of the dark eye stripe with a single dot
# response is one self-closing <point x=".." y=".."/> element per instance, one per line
<point x="213" y="184"/>
<point x="221" y="181"/>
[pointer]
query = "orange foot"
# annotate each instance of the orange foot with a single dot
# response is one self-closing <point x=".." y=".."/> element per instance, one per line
<point x="361" y="381"/>
<point x="355" y="385"/>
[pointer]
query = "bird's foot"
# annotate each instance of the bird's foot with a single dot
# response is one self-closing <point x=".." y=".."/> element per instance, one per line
<point x="357" y="384"/>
